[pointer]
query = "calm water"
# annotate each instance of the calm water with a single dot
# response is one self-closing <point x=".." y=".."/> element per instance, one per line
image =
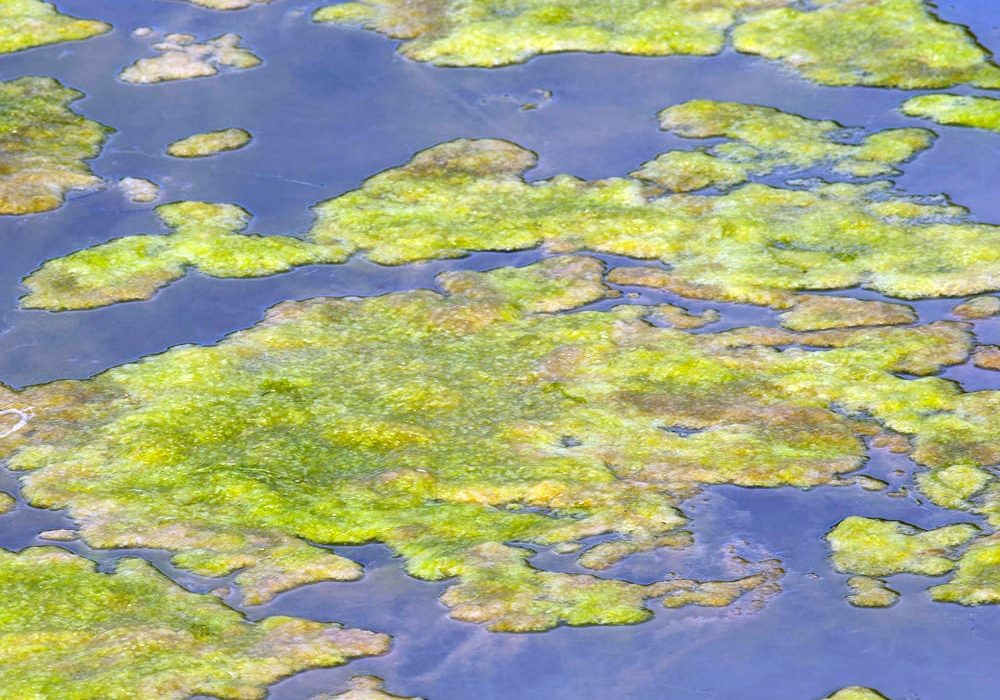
<point x="333" y="106"/>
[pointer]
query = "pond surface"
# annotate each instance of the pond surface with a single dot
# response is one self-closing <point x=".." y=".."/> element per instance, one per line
<point x="333" y="106"/>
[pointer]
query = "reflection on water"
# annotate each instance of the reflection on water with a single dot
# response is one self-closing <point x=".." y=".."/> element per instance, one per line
<point x="327" y="117"/>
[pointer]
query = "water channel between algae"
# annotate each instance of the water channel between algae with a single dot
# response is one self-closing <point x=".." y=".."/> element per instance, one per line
<point x="518" y="315"/>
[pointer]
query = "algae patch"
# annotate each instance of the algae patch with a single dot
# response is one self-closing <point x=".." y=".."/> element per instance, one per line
<point x="229" y="4"/>
<point x="44" y="145"/>
<point x="873" y="547"/>
<point x="209" y="143"/>
<point x="956" y="110"/>
<point x="28" y="23"/>
<point x="182" y="57"/>
<point x="69" y="631"/>
<point x="856" y="692"/>
<point x="364" y="688"/>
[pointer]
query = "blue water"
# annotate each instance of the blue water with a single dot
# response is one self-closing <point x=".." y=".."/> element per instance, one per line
<point x="332" y="106"/>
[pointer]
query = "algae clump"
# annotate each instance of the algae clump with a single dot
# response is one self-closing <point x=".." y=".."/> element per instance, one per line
<point x="207" y="237"/>
<point x="364" y="688"/>
<point x="868" y="592"/>
<point x="229" y="4"/>
<point x="182" y="57"/>
<point x="68" y="631"/>
<point x="956" y="110"/>
<point x="873" y="547"/>
<point x="856" y="692"/>
<point x="28" y="23"/>
<point x="450" y="425"/>
<point x="209" y="143"/>
<point x="43" y="145"/>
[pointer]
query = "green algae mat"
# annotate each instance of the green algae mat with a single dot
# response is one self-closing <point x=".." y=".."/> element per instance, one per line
<point x="341" y="346"/>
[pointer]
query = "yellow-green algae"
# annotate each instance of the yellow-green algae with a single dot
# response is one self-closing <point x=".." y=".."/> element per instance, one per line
<point x="44" y="145"/>
<point x="856" y="692"/>
<point x="762" y="140"/>
<point x="956" y="110"/>
<point x="207" y="237"/>
<point x="978" y="307"/>
<point x="448" y="426"/>
<point x="953" y="486"/>
<point x="7" y="503"/>
<point x="496" y="33"/>
<point x="811" y="312"/>
<point x="209" y="143"/>
<point x="28" y="23"/>
<point x="977" y="576"/>
<point x="885" y="43"/>
<point x="365" y="688"/>
<point x="756" y="243"/>
<point x="891" y="43"/>
<point x="67" y="631"/>
<point x="873" y="547"/>
<point x="183" y="58"/>
<point x="868" y="592"/>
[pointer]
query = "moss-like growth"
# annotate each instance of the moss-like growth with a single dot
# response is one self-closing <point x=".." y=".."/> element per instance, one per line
<point x="887" y="43"/>
<point x="956" y="110"/>
<point x="44" y="145"/>
<point x="679" y="317"/>
<point x="817" y="312"/>
<point x="365" y="688"/>
<point x="7" y="503"/>
<point x="139" y="189"/>
<point x="953" y="486"/>
<point x="28" y="23"/>
<point x="856" y="692"/>
<point x="207" y="237"/>
<point x="71" y="632"/>
<point x="209" y="143"/>
<point x="977" y="578"/>
<point x="448" y="425"/>
<point x="873" y="547"/>
<point x="182" y="58"/>
<point x="868" y="592"/>
<point x="484" y="33"/>
<point x="978" y="307"/>
<point x="893" y="43"/>
<point x="987" y="357"/>
<point x="763" y="140"/>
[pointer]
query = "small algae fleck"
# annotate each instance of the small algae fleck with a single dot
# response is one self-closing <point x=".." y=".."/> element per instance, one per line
<point x="228" y="4"/>
<point x="28" y="23"/>
<point x="987" y="357"/>
<point x="61" y="535"/>
<point x="7" y="502"/>
<point x="207" y="237"/>
<point x="978" y="307"/>
<point x="856" y="692"/>
<point x="887" y="43"/>
<point x="144" y="636"/>
<point x="437" y="424"/>
<point x="868" y="592"/>
<point x="182" y="57"/>
<point x="891" y="43"/>
<point x="956" y="110"/>
<point x="209" y="143"/>
<point x="139" y="190"/>
<point x="812" y="312"/>
<point x="364" y="688"/>
<point x="873" y="547"/>
<point x="44" y="145"/>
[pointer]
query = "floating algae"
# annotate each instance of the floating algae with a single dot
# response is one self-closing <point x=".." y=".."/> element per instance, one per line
<point x="956" y="110"/>
<point x="206" y="237"/>
<point x="364" y="688"/>
<point x="182" y="58"/>
<point x="449" y="425"/>
<point x="868" y="592"/>
<point x="890" y="43"/>
<point x="69" y="631"/>
<point x="978" y="307"/>
<point x="209" y="143"/>
<point x="7" y="503"/>
<point x="43" y="145"/>
<point x="139" y="189"/>
<point x="28" y="23"/>
<point x="856" y="692"/>
<point x="873" y="547"/>
<point x="756" y="243"/>
<point x="229" y="4"/>
<point x="987" y="357"/>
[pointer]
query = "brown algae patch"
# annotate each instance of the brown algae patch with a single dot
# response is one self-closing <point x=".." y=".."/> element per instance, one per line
<point x="987" y="357"/>
<point x="44" y="145"/>
<point x="447" y="426"/>
<point x="364" y="688"/>
<point x="868" y="592"/>
<point x="144" y="636"/>
<point x="182" y="58"/>
<point x="207" y="237"/>
<point x="28" y="23"/>
<point x="891" y="43"/>
<point x="956" y="110"/>
<point x="811" y="312"/>
<point x="978" y="307"/>
<point x="209" y="143"/>
<point x="873" y="547"/>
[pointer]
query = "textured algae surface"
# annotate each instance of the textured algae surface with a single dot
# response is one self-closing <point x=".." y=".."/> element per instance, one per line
<point x="209" y="143"/>
<point x="856" y="692"/>
<point x="873" y="547"/>
<point x="956" y="110"/>
<point x="183" y="57"/>
<point x="364" y="688"/>
<point x="28" y="23"/>
<point x="44" y="145"/>
<point x="450" y="425"/>
<point x="888" y="43"/>
<point x="68" y="631"/>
